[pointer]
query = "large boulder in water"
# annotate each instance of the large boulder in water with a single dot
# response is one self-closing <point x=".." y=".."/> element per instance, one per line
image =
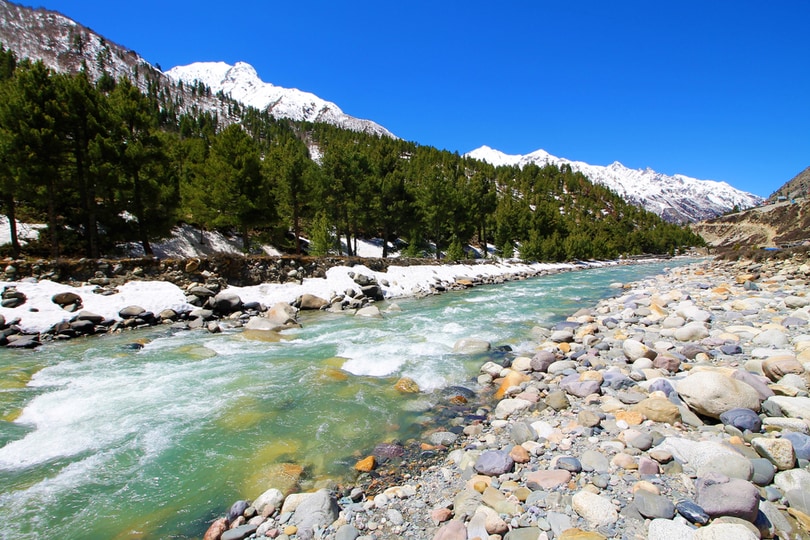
<point x="281" y="314"/>
<point x="471" y="346"/>
<point x="226" y="303"/>
<point x="312" y="302"/>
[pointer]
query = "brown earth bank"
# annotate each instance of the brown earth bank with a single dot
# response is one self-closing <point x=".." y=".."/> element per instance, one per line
<point x="782" y="224"/>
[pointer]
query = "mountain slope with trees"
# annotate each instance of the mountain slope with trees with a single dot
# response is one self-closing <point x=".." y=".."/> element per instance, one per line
<point x="107" y="157"/>
<point x="103" y="164"/>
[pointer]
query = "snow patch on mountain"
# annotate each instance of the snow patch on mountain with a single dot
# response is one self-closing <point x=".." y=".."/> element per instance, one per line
<point x="676" y="198"/>
<point x="243" y="84"/>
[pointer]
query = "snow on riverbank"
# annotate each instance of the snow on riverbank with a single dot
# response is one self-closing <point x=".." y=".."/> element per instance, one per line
<point x="39" y="313"/>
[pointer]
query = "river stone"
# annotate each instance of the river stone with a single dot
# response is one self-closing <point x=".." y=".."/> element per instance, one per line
<point x="792" y="479"/>
<point x="542" y="360"/>
<point x="522" y="432"/>
<point x="653" y="506"/>
<point x="130" y="312"/>
<point x="757" y="382"/>
<point x="711" y="393"/>
<point x="347" y="532"/>
<point x="521" y="533"/>
<point x="471" y="346"/>
<point x="764" y="471"/>
<point x="226" y="302"/>
<point x="707" y="457"/>
<point x="216" y="529"/>
<point x="777" y="367"/>
<point x="800" y="442"/>
<point x="772" y="338"/>
<point x="742" y="419"/>
<point x="494" y="463"/>
<point x="598" y="511"/>
<point x="634" y="350"/>
<point x="66" y="298"/>
<point x="658" y="409"/>
<point x="272" y="496"/>
<point x="777" y="451"/>
<point x="547" y="479"/>
<point x="572" y="385"/>
<point x="720" y="495"/>
<point x="568" y="463"/>
<point x="370" y="312"/>
<point x="509" y="406"/>
<point x="667" y="529"/>
<point x="579" y="534"/>
<point x="557" y="400"/>
<point x="281" y="314"/>
<point x="725" y="531"/>
<point x="320" y="509"/>
<point x="794" y="407"/>
<point x="240" y="532"/>
<point x="692" y="512"/>
<point x="452" y="530"/>
<point x="693" y="331"/>
<point x="796" y="302"/>
<point x="312" y="302"/>
<point x="592" y="460"/>
<point x="445" y="438"/>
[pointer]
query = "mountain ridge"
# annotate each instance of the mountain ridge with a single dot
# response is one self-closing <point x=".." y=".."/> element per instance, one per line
<point x="677" y="198"/>
<point x="242" y="83"/>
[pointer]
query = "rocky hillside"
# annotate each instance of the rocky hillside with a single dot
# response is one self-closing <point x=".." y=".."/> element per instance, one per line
<point x="781" y="224"/>
<point x="797" y="188"/>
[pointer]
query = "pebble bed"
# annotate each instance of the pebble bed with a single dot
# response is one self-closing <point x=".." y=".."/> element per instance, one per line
<point x="678" y="409"/>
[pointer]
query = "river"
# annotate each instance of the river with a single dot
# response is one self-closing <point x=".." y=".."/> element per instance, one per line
<point x="101" y="439"/>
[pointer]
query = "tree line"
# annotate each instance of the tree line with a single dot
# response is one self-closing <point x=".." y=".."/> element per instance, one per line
<point x="104" y="164"/>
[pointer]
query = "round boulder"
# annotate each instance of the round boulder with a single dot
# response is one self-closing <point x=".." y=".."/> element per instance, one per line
<point x="711" y="393"/>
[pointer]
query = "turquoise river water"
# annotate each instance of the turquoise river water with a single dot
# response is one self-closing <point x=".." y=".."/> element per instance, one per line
<point x="100" y="440"/>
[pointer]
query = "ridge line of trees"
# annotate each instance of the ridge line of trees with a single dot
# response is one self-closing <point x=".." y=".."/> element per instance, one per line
<point x="104" y="164"/>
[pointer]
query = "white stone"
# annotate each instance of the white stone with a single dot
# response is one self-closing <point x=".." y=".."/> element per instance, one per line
<point x="669" y="529"/>
<point x="598" y="511"/>
<point x="509" y="406"/>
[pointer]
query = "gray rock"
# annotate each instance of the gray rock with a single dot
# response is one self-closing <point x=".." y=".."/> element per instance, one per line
<point x="720" y="495"/>
<point x="522" y="432"/>
<point x="238" y="533"/>
<point x="318" y="510"/>
<point x="575" y="387"/>
<point x="595" y="461"/>
<point x="494" y="463"/>
<point x="742" y="419"/>
<point x="226" y="302"/>
<point x="445" y="438"/>
<point x="347" y="532"/>
<point x="653" y="506"/>
<point x="542" y="360"/>
<point x="130" y="312"/>
<point x="764" y="471"/>
<point x="725" y="531"/>
<point x="801" y="443"/>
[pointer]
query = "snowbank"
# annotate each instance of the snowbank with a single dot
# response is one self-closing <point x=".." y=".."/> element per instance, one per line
<point x="39" y="313"/>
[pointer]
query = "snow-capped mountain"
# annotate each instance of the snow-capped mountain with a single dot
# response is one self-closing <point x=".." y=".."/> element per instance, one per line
<point x="67" y="46"/>
<point x="675" y="198"/>
<point x="243" y="84"/>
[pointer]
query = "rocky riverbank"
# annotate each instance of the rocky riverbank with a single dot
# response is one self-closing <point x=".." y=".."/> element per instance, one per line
<point x="678" y="409"/>
<point x="42" y="301"/>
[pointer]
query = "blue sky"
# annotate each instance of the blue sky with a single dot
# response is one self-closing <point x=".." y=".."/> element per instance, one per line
<point x="716" y="89"/>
